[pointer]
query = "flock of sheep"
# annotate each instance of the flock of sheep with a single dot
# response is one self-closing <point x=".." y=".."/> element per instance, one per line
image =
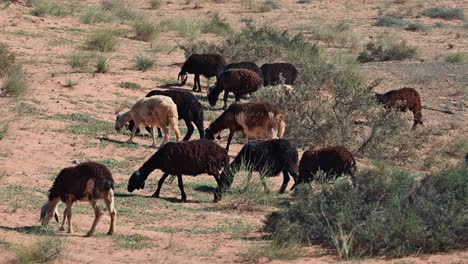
<point x="90" y="181"/>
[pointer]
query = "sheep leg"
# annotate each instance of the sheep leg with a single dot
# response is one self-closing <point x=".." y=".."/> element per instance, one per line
<point x="62" y="227"/>
<point x="231" y="133"/>
<point x="218" y="191"/>
<point x="225" y="99"/>
<point x="153" y="137"/>
<point x="109" y="200"/>
<point x="190" y="129"/>
<point x="133" y="132"/>
<point x="265" y="187"/>
<point x="281" y="128"/>
<point x="159" y="132"/>
<point x="166" y="135"/>
<point x="181" y="187"/>
<point x="160" y="183"/>
<point x="69" y="215"/>
<point x="285" y="182"/>
<point x="201" y="130"/>
<point x="97" y="216"/>
<point x="175" y="127"/>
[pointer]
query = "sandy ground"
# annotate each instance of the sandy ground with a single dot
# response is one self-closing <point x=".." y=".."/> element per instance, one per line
<point x="39" y="142"/>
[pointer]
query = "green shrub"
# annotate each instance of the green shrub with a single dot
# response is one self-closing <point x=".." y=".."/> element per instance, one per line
<point x="102" y="64"/>
<point x="121" y="9"/>
<point x="390" y="21"/>
<point x="145" y="30"/>
<point x="335" y="35"/>
<point x="268" y="5"/>
<point x="445" y="13"/>
<point x="43" y="251"/>
<point x="78" y="61"/>
<point x="130" y="85"/>
<point x="144" y="63"/>
<point x="7" y="60"/>
<point x="217" y="25"/>
<point x="70" y="83"/>
<point x="93" y="15"/>
<point x="457" y="57"/>
<point x="103" y="40"/>
<point x="388" y="214"/>
<point x="155" y="4"/>
<point x="386" y="51"/>
<point x="15" y="83"/>
<point x="187" y="27"/>
<point x="414" y="26"/>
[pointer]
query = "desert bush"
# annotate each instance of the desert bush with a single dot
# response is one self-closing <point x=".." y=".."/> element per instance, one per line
<point x="145" y="30"/>
<point x="103" y="40"/>
<point x="78" y="61"/>
<point x="445" y="13"/>
<point x="121" y="9"/>
<point x="70" y="83"/>
<point x="102" y="64"/>
<point x="43" y="251"/>
<point x="7" y="59"/>
<point x="155" y="4"/>
<point x="217" y="25"/>
<point x="390" y="21"/>
<point x="335" y="35"/>
<point x="268" y="5"/>
<point x="93" y="15"/>
<point x="4" y="128"/>
<point x="47" y="7"/>
<point x="386" y="49"/>
<point x="14" y="83"/>
<point x="390" y="213"/>
<point x="187" y="27"/>
<point x="457" y="57"/>
<point x="144" y="63"/>
<point x="415" y="26"/>
<point x="130" y="85"/>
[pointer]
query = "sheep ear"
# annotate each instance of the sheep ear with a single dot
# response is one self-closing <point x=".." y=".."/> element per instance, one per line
<point x="56" y="217"/>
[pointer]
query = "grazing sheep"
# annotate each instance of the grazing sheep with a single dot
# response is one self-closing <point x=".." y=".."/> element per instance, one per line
<point x="208" y="65"/>
<point x="268" y="157"/>
<point x="272" y="72"/>
<point x="88" y="181"/>
<point x="154" y="111"/>
<point x="333" y="161"/>
<point x="238" y="81"/>
<point x="188" y="108"/>
<point x="258" y="120"/>
<point x="183" y="158"/>
<point x="247" y="66"/>
<point x="403" y="99"/>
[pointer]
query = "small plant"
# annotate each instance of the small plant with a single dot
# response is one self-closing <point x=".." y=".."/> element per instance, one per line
<point x="4" y="127"/>
<point x="217" y="25"/>
<point x="444" y="13"/>
<point x="268" y="5"/>
<point x="7" y="59"/>
<point x="130" y="85"/>
<point x="47" y="7"/>
<point x="386" y="51"/>
<point x="335" y="35"/>
<point x="121" y="9"/>
<point x="145" y="30"/>
<point x="70" y="83"/>
<point x="155" y="4"/>
<point x="457" y="57"/>
<point x="93" y="15"/>
<point x="144" y="63"/>
<point x="15" y="83"/>
<point x="102" y="64"/>
<point x="78" y="61"/>
<point x="390" y="21"/>
<point x="43" y="251"/>
<point x="131" y="241"/>
<point x="414" y="26"/>
<point x="103" y="40"/>
<point x="186" y="27"/>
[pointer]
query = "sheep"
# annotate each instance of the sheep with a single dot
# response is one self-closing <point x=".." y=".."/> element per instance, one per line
<point x="237" y="81"/>
<point x="247" y="66"/>
<point x="154" y="111"/>
<point x="88" y="181"/>
<point x="183" y="158"/>
<point x="272" y="72"/>
<point x="333" y="161"/>
<point x="268" y="157"/>
<point x="188" y="108"/>
<point x="403" y="99"/>
<point x="208" y="65"/>
<point x="258" y="120"/>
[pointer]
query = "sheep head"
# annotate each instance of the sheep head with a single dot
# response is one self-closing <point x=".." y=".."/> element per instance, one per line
<point x="119" y="123"/>
<point x="136" y="181"/>
<point x="48" y="211"/>
<point x="183" y="76"/>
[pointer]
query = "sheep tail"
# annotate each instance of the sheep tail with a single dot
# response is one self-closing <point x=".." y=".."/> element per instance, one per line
<point x="107" y="185"/>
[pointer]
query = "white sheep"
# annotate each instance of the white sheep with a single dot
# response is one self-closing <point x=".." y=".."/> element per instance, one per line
<point x="155" y="111"/>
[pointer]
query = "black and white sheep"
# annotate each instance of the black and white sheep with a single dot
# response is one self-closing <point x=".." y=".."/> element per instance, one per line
<point x="208" y="65"/>
<point x="272" y="73"/>
<point x="269" y="157"/>
<point x="402" y="100"/>
<point x="188" y="108"/>
<point x="88" y="181"/>
<point x="183" y="158"/>
<point x="258" y="120"/>
<point x="238" y="81"/>
<point x="333" y="161"/>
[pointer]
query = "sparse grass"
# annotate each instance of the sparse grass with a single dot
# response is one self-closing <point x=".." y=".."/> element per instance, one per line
<point x="445" y="13"/>
<point x="271" y="250"/>
<point x="392" y="21"/>
<point x="78" y="61"/>
<point x="70" y="83"/>
<point x="43" y="251"/>
<point x="121" y="9"/>
<point x="144" y="63"/>
<point x="268" y="5"/>
<point x="187" y="27"/>
<point x="130" y="85"/>
<point x="386" y="50"/>
<point x="217" y="25"/>
<point x="4" y="127"/>
<point x="155" y="4"/>
<point x="15" y="84"/>
<point x="102" y="63"/>
<point x="145" y="30"/>
<point x="103" y="40"/>
<point x="415" y="26"/>
<point x="23" y="33"/>
<point x="7" y="59"/>
<point x="135" y="241"/>
<point x="335" y="35"/>
<point x="23" y="108"/>
<point x="458" y="57"/>
<point x="18" y="196"/>
<point x="93" y="15"/>
<point x="85" y="124"/>
<point x="47" y="7"/>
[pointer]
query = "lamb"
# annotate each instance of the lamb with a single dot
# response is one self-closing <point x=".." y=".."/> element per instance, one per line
<point x="208" y="65"/>
<point x="188" y="108"/>
<point x="258" y="120"/>
<point x="402" y="100"/>
<point x="88" y="181"/>
<point x="154" y="111"/>
<point x="268" y="157"/>
<point x="238" y="81"/>
<point x="188" y="158"/>
<point x="333" y="161"/>
<point x="272" y="72"/>
<point x="247" y="66"/>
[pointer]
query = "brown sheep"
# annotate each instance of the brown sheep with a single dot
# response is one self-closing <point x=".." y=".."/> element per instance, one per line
<point x="402" y="100"/>
<point x="258" y="120"/>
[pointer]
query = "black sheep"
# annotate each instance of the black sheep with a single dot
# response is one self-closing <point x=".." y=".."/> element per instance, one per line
<point x="333" y="161"/>
<point x="88" y="181"/>
<point x="238" y="81"/>
<point x="208" y="65"/>
<point x="182" y="158"/>
<point x="269" y="157"/>
<point x="402" y="100"/>
<point x="188" y="108"/>
<point x="272" y="72"/>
